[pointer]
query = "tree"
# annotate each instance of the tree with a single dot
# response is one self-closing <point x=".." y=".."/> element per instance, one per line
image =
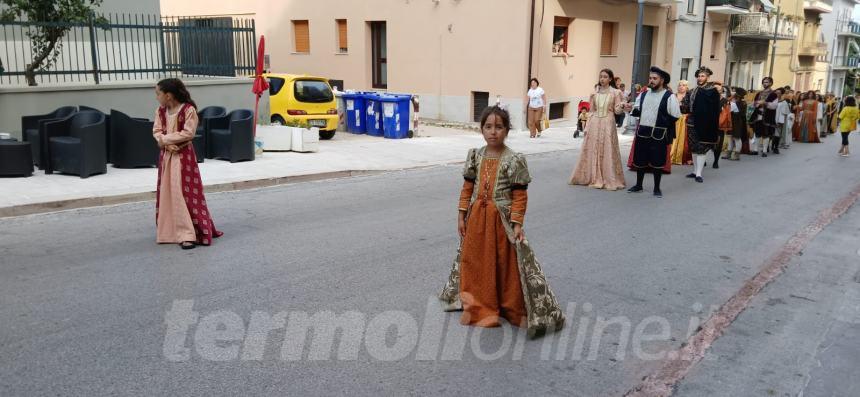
<point x="55" y="18"/>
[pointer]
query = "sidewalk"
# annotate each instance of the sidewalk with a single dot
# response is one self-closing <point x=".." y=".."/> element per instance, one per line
<point x="345" y="155"/>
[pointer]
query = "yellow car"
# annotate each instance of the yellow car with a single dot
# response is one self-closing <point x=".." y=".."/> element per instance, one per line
<point x="303" y="99"/>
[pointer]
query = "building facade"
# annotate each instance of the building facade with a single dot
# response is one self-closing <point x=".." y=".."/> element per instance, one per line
<point x="458" y="56"/>
<point x="842" y="35"/>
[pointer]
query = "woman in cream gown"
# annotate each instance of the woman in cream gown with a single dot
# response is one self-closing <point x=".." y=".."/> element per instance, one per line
<point x="599" y="164"/>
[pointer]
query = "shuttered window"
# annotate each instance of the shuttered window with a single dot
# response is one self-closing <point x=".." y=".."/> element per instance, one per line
<point x="341" y="36"/>
<point x="609" y="39"/>
<point x="302" y="36"/>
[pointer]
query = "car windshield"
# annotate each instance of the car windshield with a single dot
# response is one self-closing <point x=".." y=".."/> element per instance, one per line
<point x="313" y="91"/>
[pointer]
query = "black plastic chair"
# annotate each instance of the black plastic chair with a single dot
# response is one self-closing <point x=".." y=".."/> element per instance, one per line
<point x="77" y="145"/>
<point x="31" y="131"/>
<point x="131" y="141"/>
<point x="83" y="108"/>
<point x="201" y="137"/>
<point x="232" y="137"/>
<point x="16" y="159"/>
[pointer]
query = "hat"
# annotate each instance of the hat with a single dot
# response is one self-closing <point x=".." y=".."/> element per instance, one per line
<point x="662" y="73"/>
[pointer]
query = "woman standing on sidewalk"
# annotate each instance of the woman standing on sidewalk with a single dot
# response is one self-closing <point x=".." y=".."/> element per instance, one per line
<point x="181" y="214"/>
<point x="495" y="274"/>
<point x="599" y="164"/>
<point x="535" y="103"/>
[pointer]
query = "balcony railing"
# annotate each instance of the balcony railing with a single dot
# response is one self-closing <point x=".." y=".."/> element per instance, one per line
<point x="846" y="62"/>
<point x="848" y="27"/>
<point x="729" y="6"/>
<point x="762" y="26"/>
<point x="812" y="49"/>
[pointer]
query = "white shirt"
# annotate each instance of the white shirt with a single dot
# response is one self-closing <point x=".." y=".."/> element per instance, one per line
<point x="735" y="107"/>
<point x="782" y="112"/>
<point x="652" y="106"/>
<point x="536" y="98"/>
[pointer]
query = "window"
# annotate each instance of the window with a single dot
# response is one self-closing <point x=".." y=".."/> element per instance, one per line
<point x="691" y="7"/>
<point x="302" y="35"/>
<point x="685" y="68"/>
<point x="275" y="85"/>
<point x="312" y="91"/>
<point x="560" y="35"/>
<point x="716" y="43"/>
<point x="480" y="101"/>
<point x="556" y="110"/>
<point x="342" y="46"/>
<point x="609" y="39"/>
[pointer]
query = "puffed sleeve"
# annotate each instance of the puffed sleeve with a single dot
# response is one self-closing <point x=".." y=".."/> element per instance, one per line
<point x="470" y="168"/>
<point x="520" y="177"/>
<point x="519" y="202"/>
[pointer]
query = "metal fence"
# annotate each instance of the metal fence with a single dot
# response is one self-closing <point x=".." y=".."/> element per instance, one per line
<point x="123" y="47"/>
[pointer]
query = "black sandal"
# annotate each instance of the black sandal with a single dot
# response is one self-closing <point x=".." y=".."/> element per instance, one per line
<point x="187" y="245"/>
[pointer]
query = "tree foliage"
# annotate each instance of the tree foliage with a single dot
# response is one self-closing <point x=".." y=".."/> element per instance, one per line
<point x="55" y="19"/>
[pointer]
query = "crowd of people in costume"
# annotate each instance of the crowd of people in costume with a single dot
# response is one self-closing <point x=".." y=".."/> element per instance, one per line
<point x="701" y="124"/>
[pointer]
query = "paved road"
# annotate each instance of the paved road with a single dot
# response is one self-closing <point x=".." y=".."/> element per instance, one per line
<point x="91" y="306"/>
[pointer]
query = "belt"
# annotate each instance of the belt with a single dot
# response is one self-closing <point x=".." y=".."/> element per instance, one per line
<point x="657" y="133"/>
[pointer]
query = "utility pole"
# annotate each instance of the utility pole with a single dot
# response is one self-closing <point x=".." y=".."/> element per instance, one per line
<point x="773" y="46"/>
<point x="637" y="47"/>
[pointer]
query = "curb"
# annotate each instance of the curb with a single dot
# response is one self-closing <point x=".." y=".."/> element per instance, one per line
<point x="88" y="202"/>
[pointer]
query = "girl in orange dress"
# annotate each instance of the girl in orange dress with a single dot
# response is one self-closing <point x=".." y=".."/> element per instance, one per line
<point x="495" y="274"/>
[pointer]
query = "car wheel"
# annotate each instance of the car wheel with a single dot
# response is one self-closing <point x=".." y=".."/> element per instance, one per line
<point x="278" y="120"/>
<point x="326" y="135"/>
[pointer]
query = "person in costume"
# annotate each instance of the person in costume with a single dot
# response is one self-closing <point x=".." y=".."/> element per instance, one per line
<point x="805" y="130"/>
<point x="657" y="110"/>
<point x="725" y="123"/>
<point x="181" y="214"/>
<point x="495" y="274"/>
<point x="764" y="118"/>
<point x="599" y="164"/>
<point x="680" y="152"/>
<point x="702" y="107"/>
<point x="739" y="124"/>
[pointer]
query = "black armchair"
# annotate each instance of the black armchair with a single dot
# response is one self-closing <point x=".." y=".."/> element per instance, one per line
<point x="131" y="141"/>
<point x="201" y="141"/>
<point x="77" y="144"/>
<point x="232" y="137"/>
<point x="31" y="131"/>
<point x="83" y="108"/>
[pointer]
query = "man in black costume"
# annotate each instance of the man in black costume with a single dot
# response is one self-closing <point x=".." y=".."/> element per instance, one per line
<point x="657" y="110"/>
<point x="702" y="106"/>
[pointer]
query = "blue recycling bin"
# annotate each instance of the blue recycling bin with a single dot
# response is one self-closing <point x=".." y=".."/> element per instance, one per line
<point x="354" y="105"/>
<point x="373" y="114"/>
<point x="395" y="116"/>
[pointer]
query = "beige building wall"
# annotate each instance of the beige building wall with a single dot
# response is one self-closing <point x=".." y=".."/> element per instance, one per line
<point x="714" y="53"/>
<point x="572" y="78"/>
<point x="445" y="50"/>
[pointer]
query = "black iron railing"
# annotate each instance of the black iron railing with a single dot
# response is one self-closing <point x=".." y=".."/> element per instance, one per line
<point x="123" y="47"/>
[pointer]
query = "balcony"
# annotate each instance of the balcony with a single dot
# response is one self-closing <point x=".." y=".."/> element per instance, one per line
<point x="818" y="6"/>
<point x="812" y="49"/>
<point x="729" y="7"/>
<point x="762" y="26"/>
<point x="845" y="62"/>
<point x="848" y="28"/>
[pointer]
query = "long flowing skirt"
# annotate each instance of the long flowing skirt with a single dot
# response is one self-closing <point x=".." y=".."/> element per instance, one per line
<point x="489" y="275"/>
<point x="680" y="152"/>
<point x="181" y="213"/>
<point x="599" y="164"/>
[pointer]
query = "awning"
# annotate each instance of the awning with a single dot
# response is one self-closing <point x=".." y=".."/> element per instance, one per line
<point x="768" y="6"/>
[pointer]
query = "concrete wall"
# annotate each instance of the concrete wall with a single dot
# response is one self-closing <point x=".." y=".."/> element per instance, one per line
<point x="687" y="39"/>
<point x="716" y="23"/>
<point x="131" y="6"/>
<point x="135" y="99"/>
